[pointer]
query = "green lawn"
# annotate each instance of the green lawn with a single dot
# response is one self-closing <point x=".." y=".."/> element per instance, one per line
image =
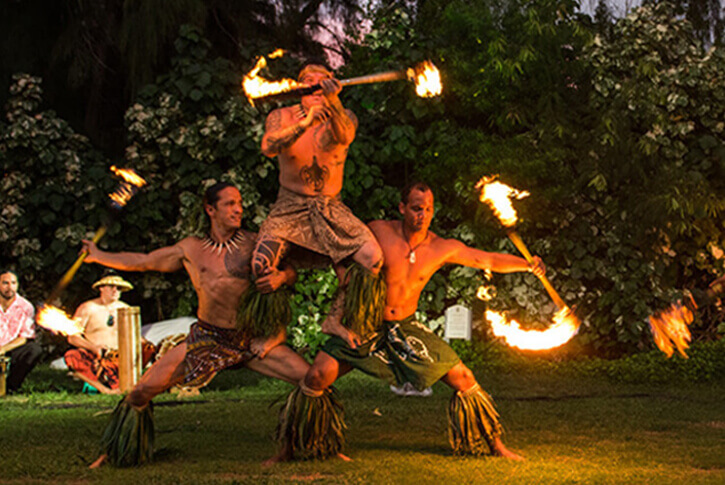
<point x="581" y="430"/>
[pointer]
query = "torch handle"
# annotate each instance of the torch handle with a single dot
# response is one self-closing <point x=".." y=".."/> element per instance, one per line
<point x="68" y="276"/>
<point x="519" y="243"/>
<point x="380" y="77"/>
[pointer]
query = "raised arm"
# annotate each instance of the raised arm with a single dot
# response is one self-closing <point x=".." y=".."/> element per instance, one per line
<point x="498" y="262"/>
<point x="166" y="259"/>
<point x="344" y="121"/>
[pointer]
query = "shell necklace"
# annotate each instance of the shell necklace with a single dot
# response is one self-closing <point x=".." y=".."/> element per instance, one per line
<point x="216" y="246"/>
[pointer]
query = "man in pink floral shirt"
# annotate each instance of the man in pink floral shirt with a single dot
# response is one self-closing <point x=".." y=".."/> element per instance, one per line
<point x="17" y="331"/>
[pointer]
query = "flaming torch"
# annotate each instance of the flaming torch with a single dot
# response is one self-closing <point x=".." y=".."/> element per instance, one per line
<point x="58" y="321"/>
<point x="126" y="189"/>
<point x="498" y="196"/>
<point x="425" y="76"/>
<point x="670" y="327"/>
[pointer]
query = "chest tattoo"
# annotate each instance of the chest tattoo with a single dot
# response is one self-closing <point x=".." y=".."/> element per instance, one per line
<point x="314" y="175"/>
<point x="325" y="138"/>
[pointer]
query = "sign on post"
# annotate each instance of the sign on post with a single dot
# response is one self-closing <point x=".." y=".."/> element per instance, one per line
<point x="458" y="323"/>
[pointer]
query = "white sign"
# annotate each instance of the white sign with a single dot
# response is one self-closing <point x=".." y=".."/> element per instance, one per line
<point x="458" y="323"/>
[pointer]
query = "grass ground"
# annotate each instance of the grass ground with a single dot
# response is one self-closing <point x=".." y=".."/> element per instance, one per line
<point x="571" y="430"/>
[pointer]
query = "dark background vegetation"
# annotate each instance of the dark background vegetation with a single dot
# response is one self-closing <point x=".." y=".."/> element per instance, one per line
<point x="615" y="126"/>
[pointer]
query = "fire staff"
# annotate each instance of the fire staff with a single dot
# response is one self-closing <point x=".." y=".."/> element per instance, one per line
<point x="400" y="349"/>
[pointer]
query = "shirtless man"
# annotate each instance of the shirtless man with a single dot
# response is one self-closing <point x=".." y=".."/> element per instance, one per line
<point x="219" y="268"/>
<point x="311" y="141"/>
<point x="93" y="360"/>
<point x="402" y="350"/>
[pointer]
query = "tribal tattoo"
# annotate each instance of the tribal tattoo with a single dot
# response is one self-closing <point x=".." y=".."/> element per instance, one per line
<point x="237" y="262"/>
<point x="280" y="138"/>
<point x="314" y="175"/>
<point x="268" y="254"/>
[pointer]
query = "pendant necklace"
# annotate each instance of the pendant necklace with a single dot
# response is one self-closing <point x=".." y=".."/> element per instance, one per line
<point x="216" y="246"/>
<point x="411" y="255"/>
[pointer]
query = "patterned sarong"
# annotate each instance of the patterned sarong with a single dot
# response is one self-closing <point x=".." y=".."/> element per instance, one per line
<point x="210" y="349"/>
<point x="105" y="369"/>
<point x="320" y="224"/>
<point x="402" y="351"/>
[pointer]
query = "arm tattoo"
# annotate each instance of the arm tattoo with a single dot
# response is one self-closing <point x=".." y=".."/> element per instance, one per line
<point x="268" y="254"/>
<point x="279" y="138"/>
<point x="314" y="175"/>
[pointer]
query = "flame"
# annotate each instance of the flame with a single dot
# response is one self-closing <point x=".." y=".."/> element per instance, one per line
<point x="486" y="292"/>
<point x="126" y="189"/>
<point x="498" y="196"/>
<point x="58" y="321"/>
<point x="256" y="86"/>
<point x="670" y="327"/>
<point x="427" y="79"/>
<point x="129" y="175"/>
<point x="564" y="328"/>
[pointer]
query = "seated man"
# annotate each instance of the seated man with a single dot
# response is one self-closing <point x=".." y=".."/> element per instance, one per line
<point x="17" y="331"/>
<point x="401" y="350"/>
<point x="95" y="358"/>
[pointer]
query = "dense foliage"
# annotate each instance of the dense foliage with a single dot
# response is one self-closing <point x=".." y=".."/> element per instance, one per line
<point x="618" y="135"/>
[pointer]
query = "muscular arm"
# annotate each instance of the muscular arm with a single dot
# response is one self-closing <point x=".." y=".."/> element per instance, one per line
<point x="475" y="258"/>
<point x="344" y="121"/>
<point x="276" y="137"/>
<point x="166" y="259"/>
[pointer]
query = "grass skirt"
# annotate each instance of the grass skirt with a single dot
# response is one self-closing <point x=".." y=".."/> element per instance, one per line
<point x="473" y="422"/>
<point x="129" y="437"/>
<point x="312" y="427"/>
<point x="365" y="295"/>
<point x="263" y="315"/>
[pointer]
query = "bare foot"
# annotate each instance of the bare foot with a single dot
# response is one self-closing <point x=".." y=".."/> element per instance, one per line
<point x="500" y="450"/>
<point x="100" y="461"/>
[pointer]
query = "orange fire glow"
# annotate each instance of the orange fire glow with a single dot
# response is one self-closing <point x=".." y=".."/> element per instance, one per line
<point x="427" y="79"/>
<point x="565" y="326"/>
<point x="498" y="196"/>
<point x="670" y="327"/>
<point x="127" y="188"/>
<point x="255" y="86"/>
<point x="129" y="175"/>
<point x="58" y="321"/>
<point x="486" y="292"/>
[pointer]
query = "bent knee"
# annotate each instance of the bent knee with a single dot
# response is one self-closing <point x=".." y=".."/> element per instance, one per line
<point x="319" y="378"/>
<point x="370" y="256"/>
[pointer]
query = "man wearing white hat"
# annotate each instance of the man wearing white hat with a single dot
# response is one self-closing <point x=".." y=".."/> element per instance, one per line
<point x="95" y="358"/>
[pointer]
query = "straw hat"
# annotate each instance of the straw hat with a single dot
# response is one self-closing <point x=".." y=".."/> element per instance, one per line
<point x="113" y="280"/>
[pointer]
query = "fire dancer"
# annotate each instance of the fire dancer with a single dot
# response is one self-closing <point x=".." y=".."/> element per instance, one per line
<point x="219" y="268"/>
<point x="310" y="141"/>
<point x="94" y="359"/>
<point x="17" y="331"/>
<point x="402" y="350"/>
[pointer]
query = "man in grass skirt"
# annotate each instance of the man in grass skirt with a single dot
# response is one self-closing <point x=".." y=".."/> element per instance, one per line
<point x="310" y="141"/>
<point x="398" y="349"/>
<point x="219" y="268"/>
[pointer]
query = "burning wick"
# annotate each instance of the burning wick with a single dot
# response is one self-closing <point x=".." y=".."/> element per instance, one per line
<point x="564" y="328"/>
<point x="58" y="321"/>
<point x="426" y="77"/>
